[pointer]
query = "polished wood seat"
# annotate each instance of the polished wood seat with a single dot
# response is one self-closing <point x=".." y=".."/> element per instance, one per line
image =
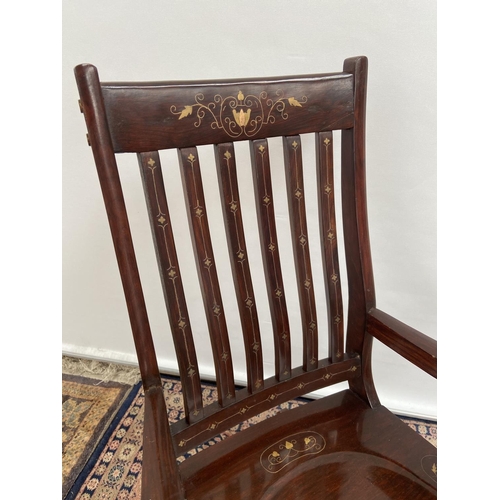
<point x="334" y="447"/>
<point x="346" y="445"/>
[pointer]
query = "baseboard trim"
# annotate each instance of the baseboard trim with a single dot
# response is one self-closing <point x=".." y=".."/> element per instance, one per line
<point x="167" y="367"/>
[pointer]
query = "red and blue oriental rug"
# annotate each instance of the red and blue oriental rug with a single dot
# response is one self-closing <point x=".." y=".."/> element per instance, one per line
<point x="103" y="422"/>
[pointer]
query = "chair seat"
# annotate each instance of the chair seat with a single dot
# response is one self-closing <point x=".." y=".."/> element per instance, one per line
<point x="335" y="447"/>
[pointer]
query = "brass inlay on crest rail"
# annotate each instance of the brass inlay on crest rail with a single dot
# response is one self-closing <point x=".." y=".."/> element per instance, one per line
<point x="240" y="116"/>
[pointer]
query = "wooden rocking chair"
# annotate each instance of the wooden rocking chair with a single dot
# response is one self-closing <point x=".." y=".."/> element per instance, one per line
<point x="346" y="445"/>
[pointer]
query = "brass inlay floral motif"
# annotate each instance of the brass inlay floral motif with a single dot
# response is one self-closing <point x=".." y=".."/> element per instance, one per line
<point x="240" y="116"/>
<point x="282" y="453"/>
<point x="429" y="465"/>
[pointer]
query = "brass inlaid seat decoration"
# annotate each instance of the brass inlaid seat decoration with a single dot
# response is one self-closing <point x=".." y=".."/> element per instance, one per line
<point x="277" y="456"/>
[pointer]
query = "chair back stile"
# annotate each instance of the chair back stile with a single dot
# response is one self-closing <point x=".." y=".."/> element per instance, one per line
<point x="356" y="235"/>
<point x="93" y="108"/>
<point x="145" y="118"/>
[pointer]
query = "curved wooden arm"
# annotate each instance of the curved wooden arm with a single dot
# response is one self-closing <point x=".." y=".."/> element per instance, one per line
<point x="413" y="345"/>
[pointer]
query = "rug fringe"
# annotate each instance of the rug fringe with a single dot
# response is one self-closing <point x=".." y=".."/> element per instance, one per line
<point x="99" y="370"/>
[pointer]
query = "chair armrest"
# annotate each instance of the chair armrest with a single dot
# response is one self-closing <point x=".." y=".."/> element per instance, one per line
<point x="413" y="345"/>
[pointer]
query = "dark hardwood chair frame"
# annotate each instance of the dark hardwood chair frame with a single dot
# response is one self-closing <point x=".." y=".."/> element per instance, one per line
<point x="342" y="446"/>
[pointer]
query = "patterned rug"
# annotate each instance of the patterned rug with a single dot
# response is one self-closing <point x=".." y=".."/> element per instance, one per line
<point x="113" y="468"/>
<point x="89" y="405"/>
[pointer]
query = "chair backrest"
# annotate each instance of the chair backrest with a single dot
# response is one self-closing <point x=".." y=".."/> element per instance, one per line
<point x="145" y="118"/>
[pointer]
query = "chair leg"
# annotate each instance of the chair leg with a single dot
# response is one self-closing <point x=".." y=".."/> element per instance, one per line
<point x="160" y="476"/>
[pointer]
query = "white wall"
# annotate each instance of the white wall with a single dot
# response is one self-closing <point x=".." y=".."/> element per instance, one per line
<point x="158" y="40"/>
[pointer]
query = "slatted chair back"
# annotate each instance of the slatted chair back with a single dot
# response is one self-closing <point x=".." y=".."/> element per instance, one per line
<point x="145" y="118"/>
